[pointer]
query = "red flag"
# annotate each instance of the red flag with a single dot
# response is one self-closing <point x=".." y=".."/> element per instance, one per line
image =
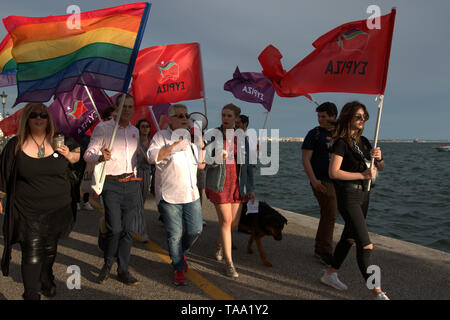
<point x="166" y="74"/>
<point x="10" y="124"/>
<point x="141" y="113"/>
<point x="160" y="112"/>
<point x="350" y="58"/>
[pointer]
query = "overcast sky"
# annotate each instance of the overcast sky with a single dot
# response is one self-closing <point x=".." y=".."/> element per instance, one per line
<point x="234" y="32"/>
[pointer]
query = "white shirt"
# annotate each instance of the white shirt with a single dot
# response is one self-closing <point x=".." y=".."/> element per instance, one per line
<point x="123" y="152"/>
<point x="175" y="176"/>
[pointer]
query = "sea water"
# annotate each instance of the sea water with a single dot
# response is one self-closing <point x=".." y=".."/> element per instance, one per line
<point x="410" y="202"/>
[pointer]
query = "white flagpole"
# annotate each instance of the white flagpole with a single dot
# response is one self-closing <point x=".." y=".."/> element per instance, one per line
<point x="265" y="121"/>
<point x="203" y="82"/>
<point x="93" y="103"/>
<point x="150" y="108"/>
<point x="377" y="130"/>
<point x="204" y="104"/>
<point x="111" y="142"/>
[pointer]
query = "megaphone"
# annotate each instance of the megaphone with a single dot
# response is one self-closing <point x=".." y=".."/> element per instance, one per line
<point x="198" y="120"/>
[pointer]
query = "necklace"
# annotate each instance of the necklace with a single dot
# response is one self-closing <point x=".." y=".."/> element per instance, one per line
<point x="41" y="147"/>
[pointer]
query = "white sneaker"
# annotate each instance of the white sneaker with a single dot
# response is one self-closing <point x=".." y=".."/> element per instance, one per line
<point x="230" y="270"/>
<point x="381" y="296"/>
<point x="78" y="206"/>
<point x="333" y="281"/>
<point x="86" y="206"/>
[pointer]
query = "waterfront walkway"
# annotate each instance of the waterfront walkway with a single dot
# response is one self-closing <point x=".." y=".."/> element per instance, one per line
<point x="408" y="271"/>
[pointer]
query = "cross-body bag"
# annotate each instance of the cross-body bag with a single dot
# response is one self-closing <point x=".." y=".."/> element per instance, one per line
<point x="365" y="161"/>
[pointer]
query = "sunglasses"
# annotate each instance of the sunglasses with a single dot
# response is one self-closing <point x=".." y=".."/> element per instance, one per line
<point x="145" y="126"/>
<point x="181" y="116"/>
<point x="42" y="115"/>
<point x="361" y="117"/>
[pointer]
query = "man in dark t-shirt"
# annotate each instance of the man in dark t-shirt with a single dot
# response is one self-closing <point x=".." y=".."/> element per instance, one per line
<point x="316" y="158"/>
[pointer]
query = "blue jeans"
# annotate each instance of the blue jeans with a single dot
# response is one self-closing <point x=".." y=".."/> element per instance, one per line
<point x="121" y="205"/>
<point x="175" y="216"/>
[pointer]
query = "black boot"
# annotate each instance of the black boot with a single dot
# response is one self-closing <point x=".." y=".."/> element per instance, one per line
<point x="31" y="268"/>
<point x="27" y="296"/>
<point x="48" y="286"/>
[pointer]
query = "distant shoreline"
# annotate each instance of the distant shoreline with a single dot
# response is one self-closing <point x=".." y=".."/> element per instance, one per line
<point x="300" y="139"/>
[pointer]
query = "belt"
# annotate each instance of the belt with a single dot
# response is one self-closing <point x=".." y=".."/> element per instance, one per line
<point x="357" y="186"/>
<point x="126" y="177"/>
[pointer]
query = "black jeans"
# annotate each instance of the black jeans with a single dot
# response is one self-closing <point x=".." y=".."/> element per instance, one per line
<point x="353" y="205"/>
<point x="38" y="257"/>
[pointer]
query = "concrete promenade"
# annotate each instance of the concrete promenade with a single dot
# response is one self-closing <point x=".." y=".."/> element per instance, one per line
<point x="408" y="271"/>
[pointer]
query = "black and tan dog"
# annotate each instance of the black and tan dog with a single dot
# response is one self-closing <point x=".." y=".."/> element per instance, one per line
<point x="267" y="221"/>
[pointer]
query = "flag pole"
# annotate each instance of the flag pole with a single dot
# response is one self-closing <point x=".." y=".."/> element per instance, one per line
<point x="204" y="104"/>
<point x="111" y="142"/>
<point x="377" y="130"/>
<point x="203" y="82"/>
<point x="265" y="121"/>
<point x="150" y="108"/>
<point x="93" y="103"/>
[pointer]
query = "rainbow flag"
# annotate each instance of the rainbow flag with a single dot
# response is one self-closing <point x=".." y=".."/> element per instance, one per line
<point x="7" y="64"/>
<point x="53" y="55"/>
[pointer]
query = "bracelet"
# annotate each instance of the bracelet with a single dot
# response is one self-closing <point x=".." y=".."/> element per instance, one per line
<point x="379" y="160"/>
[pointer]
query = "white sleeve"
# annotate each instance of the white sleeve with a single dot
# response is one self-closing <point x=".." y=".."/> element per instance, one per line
<point x="95" y="145"/>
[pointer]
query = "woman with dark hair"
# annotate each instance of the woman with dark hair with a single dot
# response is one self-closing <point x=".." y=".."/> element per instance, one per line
<point x="228" y="186"/>
<point x="351" y="155"/>
<point x="143" y="166"/>
<point x="143" y="172"/>
<point x="39" y="209"/>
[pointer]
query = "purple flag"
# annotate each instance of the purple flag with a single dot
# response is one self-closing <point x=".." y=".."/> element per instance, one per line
<point x="161" y="110"/>
<point x="251" y="87"/>
<point x="73" y="111"/>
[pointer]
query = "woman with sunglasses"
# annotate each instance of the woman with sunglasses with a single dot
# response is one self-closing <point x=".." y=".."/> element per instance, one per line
<point x="228" y="186"/>
<point x="39" y="209"/>
<point x="351" y="155"/>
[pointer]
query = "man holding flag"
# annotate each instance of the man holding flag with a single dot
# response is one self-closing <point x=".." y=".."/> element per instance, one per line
<point x="120" y="189"/>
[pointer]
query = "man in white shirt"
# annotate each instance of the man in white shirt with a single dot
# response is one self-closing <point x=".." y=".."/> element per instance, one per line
<point x="120" y="189"/>
<point x="176" y="192"/>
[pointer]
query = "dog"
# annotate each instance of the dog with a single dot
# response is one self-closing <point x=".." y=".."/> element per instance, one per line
<point x="267" y="221"/>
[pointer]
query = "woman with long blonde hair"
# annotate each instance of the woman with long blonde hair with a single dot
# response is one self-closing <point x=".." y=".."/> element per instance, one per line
<point x="39" y="209"/>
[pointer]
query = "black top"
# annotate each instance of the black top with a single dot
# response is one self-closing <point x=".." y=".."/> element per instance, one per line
<point x="13" y="223"/>
<point x="352" y="160"/>
<point x="42" y="183"/>
<point x="319" y="140"/>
